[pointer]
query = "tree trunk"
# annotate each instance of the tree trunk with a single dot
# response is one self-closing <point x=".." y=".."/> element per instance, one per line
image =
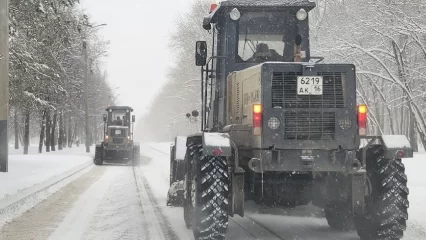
<point x="69" y="132"/>
<point x="52" y="136"/>
<point x="402" y="126"/>
<point x="22" y="129"/>
<point x="413" y="134"/>
<point x="95" y="131"/>
<point x="65" y="138"/>
<point x="75" y="134"/>
<point x="48" y="131"/>
<point x="42" y="129"/>
<point x="27" y="132"/>
<point x="15" y="123"/>
<point x="61" y="131"/>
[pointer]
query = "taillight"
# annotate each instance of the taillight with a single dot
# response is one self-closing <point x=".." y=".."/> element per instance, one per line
<point x="362" y="120"/>
<point x="213" y="6"/>
<point x="257" y="119"/>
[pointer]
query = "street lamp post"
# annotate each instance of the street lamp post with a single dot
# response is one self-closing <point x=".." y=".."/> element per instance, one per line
<point x="4" y="83"/>
<point x="86" y="90"/>
<point x="86" y="100"/>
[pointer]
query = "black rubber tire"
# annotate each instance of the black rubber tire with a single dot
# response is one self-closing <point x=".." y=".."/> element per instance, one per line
<point x="172" y="167"/>
<point x="387" y="207"/>
<point x="339" y="215"/>
<point x="98" y="160"/>
<point x="187" y="206"/>
<point x="208" y="192"/>
<point x="136" y="155"/>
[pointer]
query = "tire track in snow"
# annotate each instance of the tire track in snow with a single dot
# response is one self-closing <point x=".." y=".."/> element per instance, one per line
<point x="152" y="213"/>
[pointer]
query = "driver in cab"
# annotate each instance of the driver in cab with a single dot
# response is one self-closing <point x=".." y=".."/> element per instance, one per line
<point x="118" y="121"/>
<point x="263" y="53"/>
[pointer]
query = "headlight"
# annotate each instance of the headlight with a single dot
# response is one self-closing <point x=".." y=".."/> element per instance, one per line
<point x="235" y="14"/>
<point x="345" y="123"/>
<point x="301" y="14"/>
<point x="274" y="123"/>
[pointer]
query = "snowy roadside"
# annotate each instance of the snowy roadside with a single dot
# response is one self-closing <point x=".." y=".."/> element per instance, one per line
<point x="34" y="177"/>
<point x="28" y="170"/>
<point x="416" y="225"/>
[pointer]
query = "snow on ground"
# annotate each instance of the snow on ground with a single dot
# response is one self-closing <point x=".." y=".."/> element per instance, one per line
<point x="158" y="176"/>
<point x="28" y="170"/>
<point x="108" y="209"/>
<point x="415" y="167"/>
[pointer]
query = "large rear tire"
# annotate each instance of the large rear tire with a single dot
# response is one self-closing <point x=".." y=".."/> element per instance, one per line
<point x="98" y="160"/>
<point x="387" y="206"/>
<point x="172" y="166"/>
<point x="208" y="194"/>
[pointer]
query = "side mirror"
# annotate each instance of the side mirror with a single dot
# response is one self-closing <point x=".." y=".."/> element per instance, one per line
<point x="200" y="53"/>
<point x="133" y="118"/>
<point x="105" y="117"/>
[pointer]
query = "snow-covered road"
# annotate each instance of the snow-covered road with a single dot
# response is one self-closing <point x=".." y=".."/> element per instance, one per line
<point x="304" y="222"/>
<point x="123" y="202"/>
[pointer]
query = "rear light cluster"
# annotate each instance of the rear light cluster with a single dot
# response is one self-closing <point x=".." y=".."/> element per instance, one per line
<point x="345" y="124"/>
<point x="257" y="119"/>
<point x="362" y="120"/>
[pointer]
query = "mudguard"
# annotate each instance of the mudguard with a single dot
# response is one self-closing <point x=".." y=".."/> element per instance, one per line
<point x="394" y="143"/>
<point x="216" y="144"/>
<point x="180" y="148"/>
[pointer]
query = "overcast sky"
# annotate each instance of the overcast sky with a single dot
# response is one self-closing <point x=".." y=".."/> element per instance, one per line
<point x="138" y="53"/>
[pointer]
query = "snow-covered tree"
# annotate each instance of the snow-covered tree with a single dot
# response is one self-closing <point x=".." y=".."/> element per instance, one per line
<point x="181" y="93"/>
<point x="47" y="71"/>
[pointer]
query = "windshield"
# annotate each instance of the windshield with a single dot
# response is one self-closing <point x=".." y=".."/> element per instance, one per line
<point x="118" y="117"/>
<point x="266" y="36"/>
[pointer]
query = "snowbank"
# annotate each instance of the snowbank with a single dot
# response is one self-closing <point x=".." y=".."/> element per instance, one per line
<point x="26" y="171"/>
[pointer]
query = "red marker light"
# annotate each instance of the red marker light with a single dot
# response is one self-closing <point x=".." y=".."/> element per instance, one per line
<point x="257" y="119"/>
<point x="217" y="151"/>
<point x="213" y="6"/>
<point x="362" y="120"/>
<point x="400" y="154"/>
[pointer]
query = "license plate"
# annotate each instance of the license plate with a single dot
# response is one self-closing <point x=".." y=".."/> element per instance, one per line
<point x="311" y="85"/>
